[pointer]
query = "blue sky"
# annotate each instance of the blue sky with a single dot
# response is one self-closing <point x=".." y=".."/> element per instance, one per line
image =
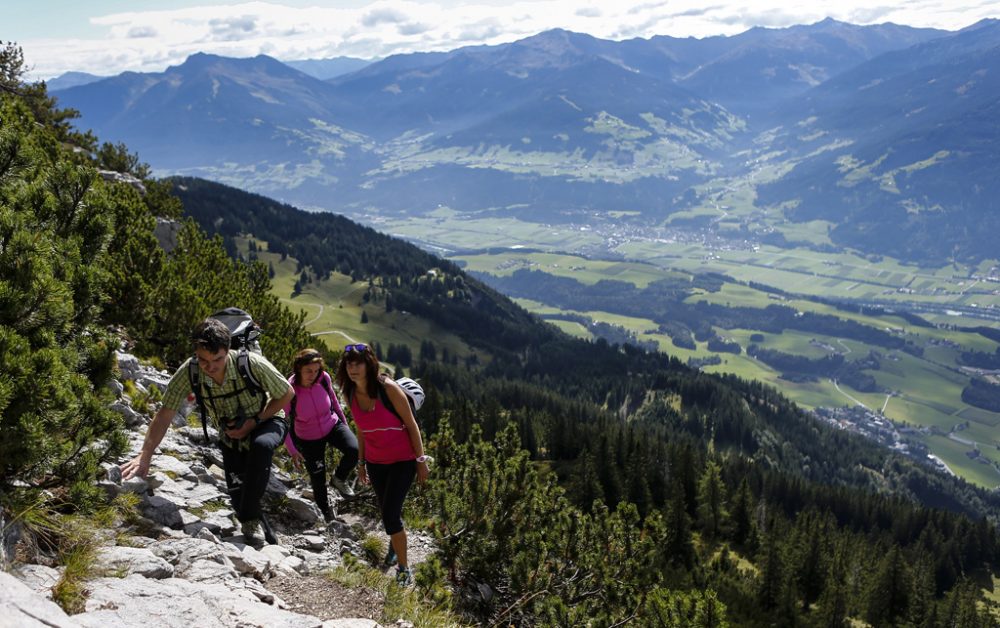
<point x="107" y="37"/>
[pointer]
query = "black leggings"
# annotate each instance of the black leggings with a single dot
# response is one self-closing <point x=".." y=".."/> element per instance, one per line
<point x="248" y="470"/>
<point x="314" y="452"/>
<point x="391" y="483"/>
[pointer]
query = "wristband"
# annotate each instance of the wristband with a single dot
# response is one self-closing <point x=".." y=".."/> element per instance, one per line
<point x="425" y="458"/>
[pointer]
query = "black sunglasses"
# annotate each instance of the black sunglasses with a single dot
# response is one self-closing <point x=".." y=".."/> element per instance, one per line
<point x="360" y="347"/>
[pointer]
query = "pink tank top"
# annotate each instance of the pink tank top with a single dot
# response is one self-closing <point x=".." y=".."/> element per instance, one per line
<point x="386" y="438"/>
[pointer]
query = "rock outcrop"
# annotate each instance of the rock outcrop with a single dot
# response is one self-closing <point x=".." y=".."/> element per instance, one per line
<point x="183" y="563"/>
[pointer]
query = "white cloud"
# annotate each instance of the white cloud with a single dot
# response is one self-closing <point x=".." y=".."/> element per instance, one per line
<point x="141" y="32"/>
<point x="150" y="40"/>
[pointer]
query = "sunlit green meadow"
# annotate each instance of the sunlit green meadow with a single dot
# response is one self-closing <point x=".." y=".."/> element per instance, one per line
<point x="333" y="310"/>
<point x="955" y="456"/>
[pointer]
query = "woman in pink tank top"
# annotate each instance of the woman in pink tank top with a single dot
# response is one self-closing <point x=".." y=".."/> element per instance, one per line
<point x="390" y="449"/>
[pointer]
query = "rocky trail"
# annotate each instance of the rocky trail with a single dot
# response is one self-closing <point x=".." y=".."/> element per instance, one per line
<point x="184" y="563"/>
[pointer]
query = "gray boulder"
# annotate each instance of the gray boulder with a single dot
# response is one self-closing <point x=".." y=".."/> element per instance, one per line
<point x="20" y="607"/>
<point x="175" y="603"/>
<point x="133" y="560"/>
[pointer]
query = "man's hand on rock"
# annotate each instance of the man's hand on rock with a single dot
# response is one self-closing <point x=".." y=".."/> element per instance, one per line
<point x="136" y="467"/>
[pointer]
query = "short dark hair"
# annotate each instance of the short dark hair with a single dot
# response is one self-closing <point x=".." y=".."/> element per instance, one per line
<point x="211" y="334"/>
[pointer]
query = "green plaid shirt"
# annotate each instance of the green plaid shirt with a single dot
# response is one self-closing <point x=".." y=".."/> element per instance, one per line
<point x="219" y="400"/>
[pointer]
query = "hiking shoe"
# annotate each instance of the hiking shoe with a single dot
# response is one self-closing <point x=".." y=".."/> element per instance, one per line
<point x="249" y="529"/>
<point x="342" y="486"/>
<point x="269" y="534"/>
<point x="390" y="557"/>
<point x="328" y="515"/>
<point x="404" y="577"/>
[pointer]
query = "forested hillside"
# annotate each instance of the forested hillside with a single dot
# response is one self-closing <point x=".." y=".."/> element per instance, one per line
<point x="575" y="482"/>
<point x="720" y="470"/>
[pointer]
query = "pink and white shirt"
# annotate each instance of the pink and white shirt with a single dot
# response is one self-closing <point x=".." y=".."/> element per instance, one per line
<point x="313" y="416"/>
<point x="386" y="438"/>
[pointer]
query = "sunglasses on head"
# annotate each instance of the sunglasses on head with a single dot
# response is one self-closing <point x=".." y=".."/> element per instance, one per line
<point x="360" y="348"/>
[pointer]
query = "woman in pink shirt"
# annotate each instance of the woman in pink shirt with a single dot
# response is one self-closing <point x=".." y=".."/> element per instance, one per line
<point x="316" y="419"/>
<point x="390" y="448"/>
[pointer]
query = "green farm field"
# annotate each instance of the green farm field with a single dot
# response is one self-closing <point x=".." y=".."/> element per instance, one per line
<point x="925" y="391"/>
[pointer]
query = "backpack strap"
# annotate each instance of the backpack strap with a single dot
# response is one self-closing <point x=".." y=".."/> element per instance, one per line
<point x="333" y="399"/>
<point x="383" y="396"/>
<point x="246" y="373"/>
<point x="194" y="377"/>
<point x="291" y="421"/>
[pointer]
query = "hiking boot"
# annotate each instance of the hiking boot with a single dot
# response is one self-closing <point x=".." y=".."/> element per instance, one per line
<point x="328" y="514"/>
<point x="404" y="577"/>
<point x="390" y="557"/>
<point x="249" y="529"/>
<point x="342" y="486"/>
<point x="269" y="534"/>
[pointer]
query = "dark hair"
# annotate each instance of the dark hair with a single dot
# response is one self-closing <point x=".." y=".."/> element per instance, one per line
<point x="305" y="357"/>
<point x="345" y="383"/>
<point x="211" y="334"/>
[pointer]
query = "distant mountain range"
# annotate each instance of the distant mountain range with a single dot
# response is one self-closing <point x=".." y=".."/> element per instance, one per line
<point x="328" y="68"/>
<point x="71" y="79"/>
<point x="901" y="152"/>
<point x="869" y="127"/>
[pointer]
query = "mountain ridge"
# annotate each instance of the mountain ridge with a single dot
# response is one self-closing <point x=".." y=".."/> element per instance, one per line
<point x="572" y="124"/>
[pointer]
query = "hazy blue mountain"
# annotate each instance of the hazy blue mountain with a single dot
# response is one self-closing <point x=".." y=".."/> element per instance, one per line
<point x="909" y="150"/>
<point x="750" y="73"/>
<point x="255" y="120"/>
<point x="71" y="79"/>
<point x="324" y="69"/>
<point x="562" y="123"/>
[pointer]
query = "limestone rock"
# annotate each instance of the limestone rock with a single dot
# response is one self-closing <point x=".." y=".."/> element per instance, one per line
<point x="176" y="603"/>
<point x="39" y="578"/>
<point x="20" y="607"/>
<point x="133" y="560"/>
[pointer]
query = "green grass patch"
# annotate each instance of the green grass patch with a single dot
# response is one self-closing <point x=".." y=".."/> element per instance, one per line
<point x="954" y="455"/>
<point x="333" y="312"/>
<point x="424" y="605"/>
<point x="978" y="415"/>
<point x="584" y="270"/>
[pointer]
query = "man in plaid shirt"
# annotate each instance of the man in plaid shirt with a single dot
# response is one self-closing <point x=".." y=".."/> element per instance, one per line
<point x="247" y="448"/>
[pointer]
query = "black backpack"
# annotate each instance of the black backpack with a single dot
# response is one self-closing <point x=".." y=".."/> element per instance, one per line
<point x="244" y="338"/>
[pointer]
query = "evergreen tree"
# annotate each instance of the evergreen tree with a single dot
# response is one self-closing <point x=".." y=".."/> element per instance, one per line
<point x="586" y="484"/>
<point x="771" y="582"/>
<point x="889" y="592"/>
<point x="832" y="606"/>
<point x="807" y="556"/>
<point x="712" y="513"/>
<point x="55" y="356"/>
<point x="428" y="352"/>
<point x="742" y="515"/>
<point x="685" y="609"/>
<point x="678" y="545"/>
